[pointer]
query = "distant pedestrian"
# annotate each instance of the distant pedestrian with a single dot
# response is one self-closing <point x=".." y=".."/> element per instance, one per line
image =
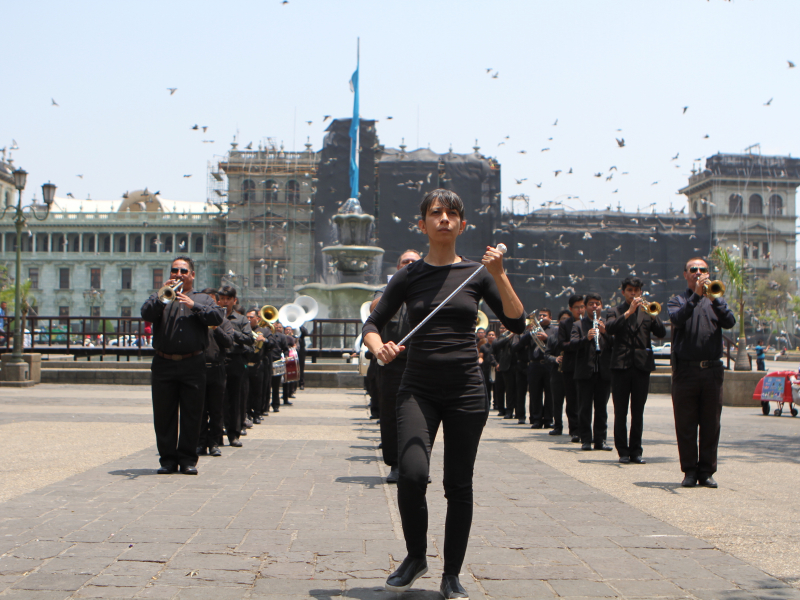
<point x="760" y="356"/>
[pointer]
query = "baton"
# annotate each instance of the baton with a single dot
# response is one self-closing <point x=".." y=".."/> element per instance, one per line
<point x="500" y="248"/>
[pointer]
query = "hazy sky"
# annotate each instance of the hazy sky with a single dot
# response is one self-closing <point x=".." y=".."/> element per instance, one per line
<point x="264" y="68"/>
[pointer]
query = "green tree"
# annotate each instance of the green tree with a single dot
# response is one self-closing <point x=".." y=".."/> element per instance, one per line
<point x="732" y="271"/>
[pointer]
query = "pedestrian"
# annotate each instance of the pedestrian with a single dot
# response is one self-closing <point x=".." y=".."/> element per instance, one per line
<point x="760" y="356"/>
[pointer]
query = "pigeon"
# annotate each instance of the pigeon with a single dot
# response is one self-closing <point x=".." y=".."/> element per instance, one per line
<point x="195" y="127"/>
<point x="620" y="142"/>
<point x="519" y="181"/>
<point x="395" y="218"/>
<point x="685" y="108"/>
<point x="676" y="156"/>
<point x="556" y="123"/>
<point x="187" y="176"/>
<point x="172" y="90"/>
<point x="791" y="64"/>
<point x="53" y="102"/>
<point x="587" y="235"/>
<point x="79" y="176"/>
<point x="768" y="102"/>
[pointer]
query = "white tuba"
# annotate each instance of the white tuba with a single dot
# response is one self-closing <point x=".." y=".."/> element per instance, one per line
<point x="309" y="305"/>
<point x="291" y="315"/>
<point x="365" y="311"/>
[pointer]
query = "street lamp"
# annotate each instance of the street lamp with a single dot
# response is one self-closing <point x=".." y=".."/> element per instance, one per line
<point x="16" y="373"/>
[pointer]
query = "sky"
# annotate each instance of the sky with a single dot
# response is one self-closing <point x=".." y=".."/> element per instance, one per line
<point x="511" y="74"/>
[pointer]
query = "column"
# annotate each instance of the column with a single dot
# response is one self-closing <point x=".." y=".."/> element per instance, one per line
<point x="96" y="242"/>
<point x="174" y="244"/>
<point x="127" y="243"/>
<point x="189" y="243"/>
<point x="141" y="237"/>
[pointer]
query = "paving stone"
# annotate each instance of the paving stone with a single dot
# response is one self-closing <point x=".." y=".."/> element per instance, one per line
<point x="517" y="589"/>
<point x="592" y="589"/>
<point x="52" y="581"/>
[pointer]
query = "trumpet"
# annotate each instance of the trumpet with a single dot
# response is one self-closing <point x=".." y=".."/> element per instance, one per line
<point x="537" y="328"/>
<point x="714" y="289"/>
<point x="258" y="343"/>
<point x="596" y="327"/>
<point x="651" y="308"/>
<point x="167" y="294"/>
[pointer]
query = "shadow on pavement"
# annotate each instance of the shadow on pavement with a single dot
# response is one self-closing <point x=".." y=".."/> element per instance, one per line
<point x="773" y="447"/>
<point x="670" y="487"/>
<point x="133" y="473"/>
<point x="373" y="593"/>
<point x="371" y="482"/>
<point x="363" y="459"/>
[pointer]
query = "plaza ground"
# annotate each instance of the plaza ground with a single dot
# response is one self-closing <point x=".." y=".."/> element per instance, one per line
<point x="301" y="510"/>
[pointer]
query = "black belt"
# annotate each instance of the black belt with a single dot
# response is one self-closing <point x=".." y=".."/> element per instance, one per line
<point x="700" y="364"/>
<point x="178" y="356"/>
<point x="214" y="365"/>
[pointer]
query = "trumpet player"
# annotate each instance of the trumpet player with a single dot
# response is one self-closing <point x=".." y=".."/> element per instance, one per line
<point x="697" y="373"/>
<point x="632" y="361"/>
<point x="255" y="367"/>
<point x="234" y="365"/>
<point x="538" y="374"/>
<point x="178" y="383"/>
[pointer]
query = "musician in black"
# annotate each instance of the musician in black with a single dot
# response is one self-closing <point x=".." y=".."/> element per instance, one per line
<point x="278" y="349"/>
<point x="255" y="367"/>
<point x="290" y="343"/>
<point x="592" y="374"/>
<point x="487" y="362"/>
<point x="555" y="356"/>
<point x="632" y="361"/>
<point x="505" y="384"/>
<point x="301" y="355"/>
<point x="538" y="376"/>
<point x="178" y="381"/>
<point x="235" y="365"/>
<point x="577" y="307"/>
<point x="697" y="373"/>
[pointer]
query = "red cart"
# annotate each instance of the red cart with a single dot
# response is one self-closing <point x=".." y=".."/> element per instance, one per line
<point x="776" y="387"/>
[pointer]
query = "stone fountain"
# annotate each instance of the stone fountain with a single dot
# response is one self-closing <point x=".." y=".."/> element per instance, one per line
<point x="353" y="260"/>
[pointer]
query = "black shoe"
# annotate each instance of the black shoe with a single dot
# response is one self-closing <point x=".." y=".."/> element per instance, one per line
<point x="624" y="459"/>
<point x="167" y="470"/>
<point x="451" y="587"/>
<point x="276" y="409"/>
<point x="520" y="421"/>
<point x="287" y="403"/>
<point x="236" y="443"/>
<point x="394" y="475"/>
<point x="707" y="482"/>
<point x="256" y="421"/>
<point x="638" y="460"/>
<point x="248" y="424"/>
<point x="406" y="574"/>
<point x="214" y="451"/>
<point x="188" y="470"/>
<point x="603" y="446"/>
<point x="501" y="413"/>
<point x="243" y="432"/>
<point x="374" y="417"/>
<point x="380" y="445"/>
<point x="575" y="439"/>
<point x="689" y="480"/>
<point x="201" y="451"/>
<point x="556" y="431"/>
<point x="586" y="446"/>
<point x="509" y="415"/>
<point x="302" y="386"/>
<point x="547" y="424"/>
<point x="536" y="425"/>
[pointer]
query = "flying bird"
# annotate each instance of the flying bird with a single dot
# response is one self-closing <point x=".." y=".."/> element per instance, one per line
<point x="172" y="90"/>
<point x="325" y="118"/>
<point x="495" y="75"/>
<point x="195" y="127"/>
<point x="208" y="141"/>
<point x="79" y="176"/>
<point x="676" y="156"/>
<point x="685" y="108"/>
<point x="54" y="103"/>
<point x="556" y="123"/>
<point x="545" y="149"/>
<point x="654" y="183"/>
<point x="187" y="176"/>
<point x="538" y="185"/>
<point x="598" y="174"/>
<point x="69" y="195"/>
<point x="620" y="142"/>
<point x="519" y="181"/>
<point x="557" y="171"/>
<point x="791" y="64"/>
<point x="706" y="136"/>
<point x="522" y="151"/>
<point x="768" y="102"/>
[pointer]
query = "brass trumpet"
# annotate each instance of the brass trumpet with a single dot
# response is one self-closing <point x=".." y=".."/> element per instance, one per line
<point x="167" y="294"/>
<point x="267" y="316"/>
<point x="651" y="308"/>
<point x="714" y="289"/>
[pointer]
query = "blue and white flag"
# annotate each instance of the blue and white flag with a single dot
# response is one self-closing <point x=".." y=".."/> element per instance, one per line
<point x="354" y="128"/>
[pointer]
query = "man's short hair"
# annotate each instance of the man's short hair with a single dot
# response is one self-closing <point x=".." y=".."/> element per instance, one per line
<point x="406" y="252"/>
<point x="480" y="329"/>
<point x="562" y="313"/>
<point x="447" y="198"/>
<point x="593" y="296"/>
<point x="188" y="260"/>
<point x="211" y="292"/>
<point x="575" y="298"/>
<point x="547" y="310"/>
<point x="686" y="264"/>
<point x="249" y="310"/>
<point x="632" y="281"/>
<point x="228" y="291"/>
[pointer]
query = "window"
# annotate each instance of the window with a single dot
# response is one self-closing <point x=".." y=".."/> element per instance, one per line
<point x="271" y="193"/>
<point x="198" y="244"/>
<point x="121" y="243"/>
<point x="33" y="276"/>
<point x="125" y="312"/>
<point x="63" y="278"/>
<point x="126" y="278"/>
<point x="88" y="242"/>
<point x="154" y="242"/>
<point x="755" y="250"/>
<point x="94" y="312"/>
<point x="158" y="279"/>
<point x="735" y="204"/>
<point x="168" y="243"/>
<point x="775" y="205"/>
<point x="137" y="243"/>
<point x="63" y="311"/>
<point x="756" y="206"/>
<point x="292" y="191"/>
<point x="105" y="244"/>
<point x="41" y="242"/>
<point x="76" y="243"/>
<point x="765" y="250"/>
<point x="257" y="275"/>
<point x="94" y="279"/>
<point x="248" y="191"/>
<point x="746" y="250"/>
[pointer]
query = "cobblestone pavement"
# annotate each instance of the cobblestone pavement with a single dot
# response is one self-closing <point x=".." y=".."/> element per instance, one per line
<point x="301" y="511"/>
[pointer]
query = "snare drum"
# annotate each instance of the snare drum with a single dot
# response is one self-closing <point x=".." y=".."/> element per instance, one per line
<point x="279" y="367"/>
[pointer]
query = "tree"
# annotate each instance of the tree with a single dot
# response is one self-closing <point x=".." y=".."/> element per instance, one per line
<point x="732" y="271"/>
<point x="773" y="300"/>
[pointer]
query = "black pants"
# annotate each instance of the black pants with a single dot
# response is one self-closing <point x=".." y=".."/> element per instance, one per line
<point x="389" y="381"/>
<point x="276" y="392"/>
<point x="234" y="369"/>
<point x="557" y="397"/>
<point x="541" y="398"/>
<point x="697" y="404"/>
<point x="211" y="423"/>
<point x="266" y="387"/>
<point x="255" y="376"/>
<point x="521" y="382"/>
<point x="301" y="358"/>
<point x="178" y="390"/>
<point x="373" y="388"/>
<point x="593" y="393"/>
<point x="500" y="391"/>
<point x="629" y="386"/>
<point x="510" y="380"/>
<point x="418" y="420"/>
<point x="571" y="398"/>
<point x="489" y="385"/>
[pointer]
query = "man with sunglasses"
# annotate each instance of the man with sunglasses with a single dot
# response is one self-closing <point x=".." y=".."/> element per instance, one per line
<point x="697" y="373"/>
<point x="178" y="371"/>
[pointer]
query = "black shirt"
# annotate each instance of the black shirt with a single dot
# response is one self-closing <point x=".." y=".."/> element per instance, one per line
<point x="394" y="331"/>
<point x="698" y="323"/>
<point x="242" y="334"/>
<point x="219" y="339"/>
<point x="631" y="334"/>
<point x="565" y="344"/>
<point x="278" y="344"/>
<point x="443" y="354"/>
<point x="178" y="329"/>
<point x="488" y="358"/>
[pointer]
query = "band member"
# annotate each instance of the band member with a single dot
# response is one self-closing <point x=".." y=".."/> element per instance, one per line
<point x="520" y="371"/>
<point x="632" y="361"/>
<point x="266" y="358"/>
<point x="555" y="355"/>
<point x="442" y="383"/>
<point x="538" y="380"/>
<point x="288" y="390"/>
<point x="697" y="373"/>
<point x="220" y="338"/>
<point x="505" y="388"/>
<point x="390" y="375"/>
<point x="565" y="345"/>
<point x="279" y="348"/>
<point x="301" y="355"/>
<point x="255" y="368"/>
<point x="234" y="365"/>
<point x="592" y="374"/>
<point x="178" y="383"/>
<point x="487" y="362"/>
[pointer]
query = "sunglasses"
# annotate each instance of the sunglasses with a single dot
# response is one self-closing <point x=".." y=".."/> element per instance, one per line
<point x="696" y="269"/>
<point x="181" y="271"/>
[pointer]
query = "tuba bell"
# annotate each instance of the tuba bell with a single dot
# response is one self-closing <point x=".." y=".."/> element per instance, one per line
<point x="268" y="313"/>
<point x="651" y="308"/>
<point x="167" y="294"/>
<point x="714" y="289"/>
<point x="482" y="321"/>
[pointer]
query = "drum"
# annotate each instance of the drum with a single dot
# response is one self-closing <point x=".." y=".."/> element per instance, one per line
<point x="292" y="366"/>
<point x="363" y="361"/>
<point x="279" y="367"/>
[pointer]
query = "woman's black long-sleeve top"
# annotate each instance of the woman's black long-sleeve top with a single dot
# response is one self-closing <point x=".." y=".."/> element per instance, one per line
<point x="443" y="353"/>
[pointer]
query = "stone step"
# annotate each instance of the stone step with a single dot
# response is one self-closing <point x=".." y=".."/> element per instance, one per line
<point x="145" y="365"/>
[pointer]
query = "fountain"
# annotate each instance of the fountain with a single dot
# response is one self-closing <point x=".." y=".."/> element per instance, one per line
<point x="352" y="259"/>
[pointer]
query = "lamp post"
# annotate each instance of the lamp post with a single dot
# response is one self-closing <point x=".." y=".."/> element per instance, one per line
<point x="48" y="193"/>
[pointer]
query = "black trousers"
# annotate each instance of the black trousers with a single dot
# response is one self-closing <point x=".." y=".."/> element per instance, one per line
<point x="489" y="385"/>
<point x="266" y="387"/>
<point x="697" y="404"/>
<point x="629" y="387"/>
<point x="212" y="422"/>
<point x="593" y="393"/>
<point x="571" y="398"/>
<point x="418" y="420"/>
<point x="500" y="391"/>
<point x="557" y="397"/>
<point x="301" y="357"/>
<point x="510" y="380"/>
<point x="232" y="406"/>
<point x="521" y="382"/>
<point x="541" y="398"/>
<point x="178" y="389"/>
<point x="255" y="377"/>
<point x="373" y="388"/>
<point x="276" y="392"/>
<point x="389" y="378"/>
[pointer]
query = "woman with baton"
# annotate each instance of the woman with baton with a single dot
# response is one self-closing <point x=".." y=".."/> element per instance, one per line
<point x="442" y="382"/>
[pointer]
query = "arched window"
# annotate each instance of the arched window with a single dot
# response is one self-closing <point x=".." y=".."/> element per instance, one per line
<point x="735" y="204"/>
<point x="775" y="205"/>
<point x="198" y="243"/>
<point x="121" y="243"/>
<point x="292" y="191"/>
<point x="153" y="244"/>
<point x="248" y="191"/>
<point x="137" y="243"/>
<point x="167" y="243"/>
<point x="756" y="206"/>
<point x="271" y="191"/>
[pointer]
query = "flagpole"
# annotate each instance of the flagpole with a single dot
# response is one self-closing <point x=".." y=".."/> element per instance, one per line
<point x="354" y="126"/>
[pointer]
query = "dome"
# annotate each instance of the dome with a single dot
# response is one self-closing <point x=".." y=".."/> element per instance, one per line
<point x="141" y="201"/>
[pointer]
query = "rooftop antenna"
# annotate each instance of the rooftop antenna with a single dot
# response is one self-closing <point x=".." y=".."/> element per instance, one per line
<point x="752" y="147"/>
